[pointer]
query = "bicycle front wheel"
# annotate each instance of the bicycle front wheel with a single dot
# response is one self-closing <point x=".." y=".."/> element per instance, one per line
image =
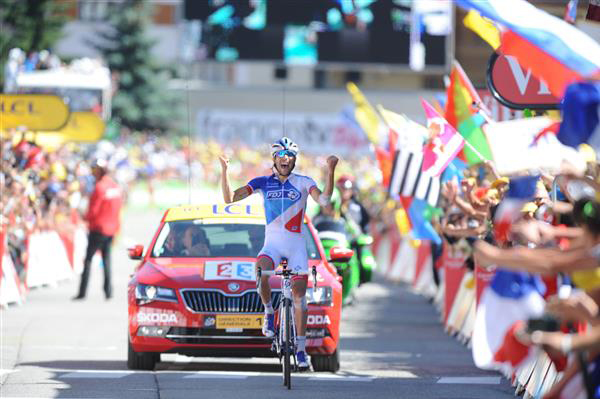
<point x="286" y="346"/>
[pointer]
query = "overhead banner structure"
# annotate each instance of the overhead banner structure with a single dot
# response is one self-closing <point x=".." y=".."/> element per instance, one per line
<point x="33" y="111"/>
<point x="315" y="132"/>
<point x="516" y="87"/>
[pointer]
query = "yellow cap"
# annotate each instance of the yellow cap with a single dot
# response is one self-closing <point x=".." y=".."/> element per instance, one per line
<point x="501" y="180"/>
<point x="529" y="207"/>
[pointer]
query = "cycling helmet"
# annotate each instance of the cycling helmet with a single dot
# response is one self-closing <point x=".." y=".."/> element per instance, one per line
<point x="284" y="144"/>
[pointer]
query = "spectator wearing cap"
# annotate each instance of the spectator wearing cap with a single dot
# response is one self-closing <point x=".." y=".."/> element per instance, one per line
<point x="103" y="222"/>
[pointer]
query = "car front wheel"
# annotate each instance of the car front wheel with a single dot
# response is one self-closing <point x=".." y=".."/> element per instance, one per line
<point x="329" y="363"/>
<point x="141" y="360"/>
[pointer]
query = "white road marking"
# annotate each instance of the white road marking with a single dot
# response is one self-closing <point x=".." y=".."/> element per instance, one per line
<point x="7" y="371"/>
<point x="75" y="348"/>
<point x="97" y="374"/>
<point x="232" y="375"/>
<point x="333" y="377"/>
<point x="237" y="375"/>
<point x="469" y="380"/>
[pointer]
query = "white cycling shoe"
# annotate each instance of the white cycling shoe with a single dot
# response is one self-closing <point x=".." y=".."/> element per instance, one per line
<point x="302" y="359"/>
<point x="268" y="328"/>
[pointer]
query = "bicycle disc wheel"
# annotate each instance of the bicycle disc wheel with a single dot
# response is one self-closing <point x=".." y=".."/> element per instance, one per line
<point x="287" y="348"/>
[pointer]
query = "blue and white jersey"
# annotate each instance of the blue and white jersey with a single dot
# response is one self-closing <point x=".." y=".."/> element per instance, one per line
<point x="285" y="203"/>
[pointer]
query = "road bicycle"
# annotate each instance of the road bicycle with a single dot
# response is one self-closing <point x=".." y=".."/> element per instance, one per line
<point x="284" y="340"/>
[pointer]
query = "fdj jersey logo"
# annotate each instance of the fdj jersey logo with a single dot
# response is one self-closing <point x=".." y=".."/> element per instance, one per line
<point x="292" y="194"/>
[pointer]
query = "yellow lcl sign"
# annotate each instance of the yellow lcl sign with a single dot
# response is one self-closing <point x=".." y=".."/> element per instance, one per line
<point x="82" y="126"/>
<point x="34" y="111"/>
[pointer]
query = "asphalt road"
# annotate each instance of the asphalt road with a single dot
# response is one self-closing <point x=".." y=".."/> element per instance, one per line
<point x="392" y="346"/>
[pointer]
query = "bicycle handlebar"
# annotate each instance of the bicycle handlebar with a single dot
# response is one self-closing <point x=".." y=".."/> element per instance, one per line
<point x="261" y="272"/>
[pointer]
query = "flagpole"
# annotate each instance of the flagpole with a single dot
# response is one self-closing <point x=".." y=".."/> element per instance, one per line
<point x="481" y="157"/>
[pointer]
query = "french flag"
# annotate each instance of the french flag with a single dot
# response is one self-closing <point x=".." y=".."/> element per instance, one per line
<point x="520" y="189"/>
<point x="506" y="304"/>
<point x="554" y="50"/>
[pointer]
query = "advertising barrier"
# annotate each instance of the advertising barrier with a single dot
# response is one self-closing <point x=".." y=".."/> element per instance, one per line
<point x="51" y="257"/>
<point x="456" y="298"/>
<point x="10" y="284"/>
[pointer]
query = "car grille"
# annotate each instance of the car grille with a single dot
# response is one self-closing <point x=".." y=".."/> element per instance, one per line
<point x="206" y="301"/>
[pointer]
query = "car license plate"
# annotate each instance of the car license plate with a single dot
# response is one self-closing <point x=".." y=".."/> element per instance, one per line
<point x="239" y="321"/>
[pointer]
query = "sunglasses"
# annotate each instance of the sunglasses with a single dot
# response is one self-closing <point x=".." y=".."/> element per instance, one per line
<point x="282" y="153"/>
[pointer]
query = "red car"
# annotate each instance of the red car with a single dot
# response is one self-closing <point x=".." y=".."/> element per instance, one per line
<point x="194" y="290"/>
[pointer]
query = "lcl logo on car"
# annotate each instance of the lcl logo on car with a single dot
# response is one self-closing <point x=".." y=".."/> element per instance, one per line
<point x="233" y="287"/>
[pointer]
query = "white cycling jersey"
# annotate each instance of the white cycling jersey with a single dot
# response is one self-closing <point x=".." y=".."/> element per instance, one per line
<point x="285" y="205"/>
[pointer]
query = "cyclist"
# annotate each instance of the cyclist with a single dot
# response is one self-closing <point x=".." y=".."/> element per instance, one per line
<point x="284" y="195"/>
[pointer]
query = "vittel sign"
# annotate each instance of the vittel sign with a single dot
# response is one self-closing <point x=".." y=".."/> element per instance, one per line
<point x="516" y="87"/>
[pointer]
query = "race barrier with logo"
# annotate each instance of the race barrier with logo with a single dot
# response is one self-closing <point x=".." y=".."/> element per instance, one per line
<point x="404" y="260"/>
<point x="51" y="257"/>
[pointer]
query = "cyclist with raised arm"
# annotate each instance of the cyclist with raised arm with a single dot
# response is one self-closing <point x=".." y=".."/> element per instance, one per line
<point x="284" y="195"/>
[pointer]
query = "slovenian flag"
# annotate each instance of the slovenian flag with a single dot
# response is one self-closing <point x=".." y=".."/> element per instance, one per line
<point x="509" y="301"/>
<point x="554" y="50"/>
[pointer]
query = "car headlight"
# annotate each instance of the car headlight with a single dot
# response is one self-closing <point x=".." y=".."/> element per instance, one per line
<point x="148" y="293"/>
<point x="319" y="296"/>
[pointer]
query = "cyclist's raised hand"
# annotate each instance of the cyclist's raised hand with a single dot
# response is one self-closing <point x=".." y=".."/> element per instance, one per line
<point x="224" y="162"/>
<point x="332" y="161"/>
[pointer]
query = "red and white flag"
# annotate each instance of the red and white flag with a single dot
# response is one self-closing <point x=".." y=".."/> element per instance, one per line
<point x="444" y="142"/>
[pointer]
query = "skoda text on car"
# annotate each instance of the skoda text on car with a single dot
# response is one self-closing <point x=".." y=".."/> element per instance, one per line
<point x="194" y="290"/>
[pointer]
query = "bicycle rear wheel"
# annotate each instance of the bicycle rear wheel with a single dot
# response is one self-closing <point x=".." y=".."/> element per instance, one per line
<point x="286" y="347"/>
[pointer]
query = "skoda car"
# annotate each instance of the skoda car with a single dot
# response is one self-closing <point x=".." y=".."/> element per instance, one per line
<point x="194" y="290"/>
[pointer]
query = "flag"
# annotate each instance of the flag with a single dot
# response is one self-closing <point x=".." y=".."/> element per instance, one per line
<point x="366" y="116"/>
<point x="571" y="11"/>
<point x="385" y="161"/>
<point x="483" y="28"/>
<point x="555" y="51"/>
<point x="409" y="180"/>
<point x="509" y="300"/>
<point x="520" y="190"/>
<point x="420" y="214"/>
<point x="580" y="115"/>
<point x="461" y="114"/>
<point x="444" y="143"/>
<point x="593" y="11"/>
<point x="408" y="134"/>
<point x="511" y="145"/>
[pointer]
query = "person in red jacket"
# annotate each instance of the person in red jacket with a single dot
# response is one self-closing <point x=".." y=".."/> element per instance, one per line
<point x="103" y="223"/>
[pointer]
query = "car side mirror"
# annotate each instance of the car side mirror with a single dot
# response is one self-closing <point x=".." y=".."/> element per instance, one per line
<point x="136" y="252"/>
<point x="341" y="255"/>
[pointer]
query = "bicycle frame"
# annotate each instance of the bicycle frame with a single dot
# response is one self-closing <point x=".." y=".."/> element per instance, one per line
<point x="284" y="342"/>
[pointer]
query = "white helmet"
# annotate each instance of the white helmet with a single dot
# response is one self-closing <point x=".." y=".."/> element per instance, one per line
<point x="284" y="144"/>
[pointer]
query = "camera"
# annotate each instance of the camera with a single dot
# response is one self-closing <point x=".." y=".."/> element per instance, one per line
<point x="545" y="323"/>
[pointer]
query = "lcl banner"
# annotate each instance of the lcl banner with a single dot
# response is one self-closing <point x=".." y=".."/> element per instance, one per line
<point x="34" y="111"/>
<point x="516" y="87"/>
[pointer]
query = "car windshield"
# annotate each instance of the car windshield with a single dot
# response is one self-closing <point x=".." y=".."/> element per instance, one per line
<point x="192" y="239"/>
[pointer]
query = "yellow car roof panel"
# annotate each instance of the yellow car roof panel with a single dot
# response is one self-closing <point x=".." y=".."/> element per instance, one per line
<point x="225" y="212"/>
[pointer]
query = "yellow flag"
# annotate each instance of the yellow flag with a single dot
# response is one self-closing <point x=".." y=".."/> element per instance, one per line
<point x="393" y="120"/>
<point x="365" y="114"/>
<point x="402" y="221"/>
<point x="484" y="29"/>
